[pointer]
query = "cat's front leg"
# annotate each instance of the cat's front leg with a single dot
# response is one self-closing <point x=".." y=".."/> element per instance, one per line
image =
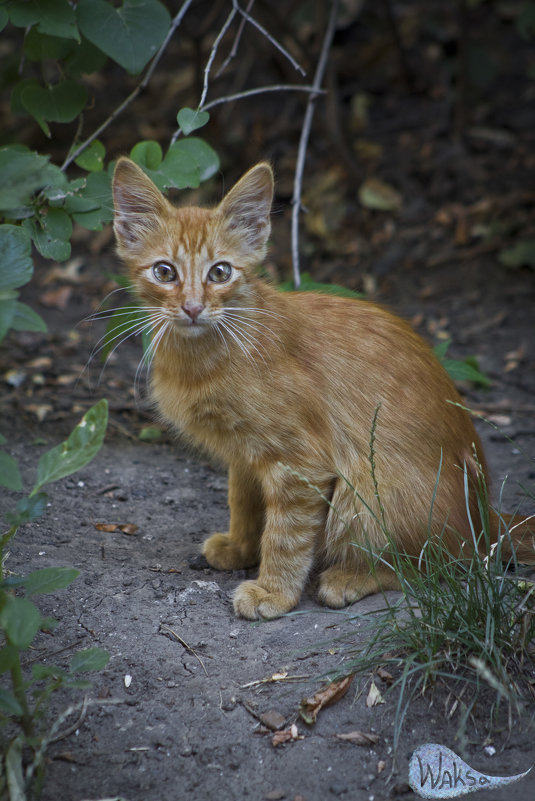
<point x="295" y="513"/>
<point x="240" y="546"/>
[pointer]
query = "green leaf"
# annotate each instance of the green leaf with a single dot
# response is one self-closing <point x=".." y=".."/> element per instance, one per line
<point x="16" y="265"/>
<point x="39" y="46"/>
<point x="150" y="434"/>
<point x="8" y="309"/>
<point x="85" y="59"/>
<point x="520" y="255"/>
<point x="16" y="93"/>
<point x="92" y="158"/>
<point x="8" y="658"/>
<point x="97" y="189"/>
<point x="190" y="120"/>
<point x="186" y="164"/>
<point x="54" y="17"/>
<point x="147" y="154"/>
<point x="125" y="321"/>
<point x="40" y="672"/>
<point x="14" y="770"/>
<point x="20" y="620"/>
<point x="463" y="371"/>
<point x="441" y="348"/>
<point x="307" y="285"/>
<point x="51" y="233"/>
<point x="22" y="174"/>
<point x="130" y="35"/>
<point x="9" y="704"/>
<point x="81" y="446"/>
<point x="4" y="18"/>
<point x="26" y="319"/>
<point x="9" y="472"/>
<point x="49" y="579"/>
<point x="201" y="156"/>
<point x="62" y="102"/>
<point x="89" y="660"/>
<point x="28" y="509"/>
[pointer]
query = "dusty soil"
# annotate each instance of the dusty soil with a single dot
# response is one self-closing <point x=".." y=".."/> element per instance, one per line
<point x="189" y="722"/>
<point x="189" y="725"/>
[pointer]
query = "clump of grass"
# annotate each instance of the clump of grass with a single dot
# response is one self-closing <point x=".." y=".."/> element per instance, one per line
<point x="468" y="622"/>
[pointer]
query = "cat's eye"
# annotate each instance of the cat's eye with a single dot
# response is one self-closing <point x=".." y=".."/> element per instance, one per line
<point x="220" y="272"/>
<point x="164" y="272"/>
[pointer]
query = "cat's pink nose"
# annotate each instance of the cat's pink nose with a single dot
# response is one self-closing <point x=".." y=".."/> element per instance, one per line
<point x="192" y="309"/>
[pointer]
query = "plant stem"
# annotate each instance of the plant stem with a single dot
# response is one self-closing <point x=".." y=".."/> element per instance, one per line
<point x="303" y="142"/>
<point x="18" y="689"/>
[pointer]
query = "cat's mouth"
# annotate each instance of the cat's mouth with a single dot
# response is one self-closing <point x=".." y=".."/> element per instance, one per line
<point x="191" y="327"/>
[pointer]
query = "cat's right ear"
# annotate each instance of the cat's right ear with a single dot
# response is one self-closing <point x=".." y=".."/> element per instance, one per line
<point x="139" y="205"/>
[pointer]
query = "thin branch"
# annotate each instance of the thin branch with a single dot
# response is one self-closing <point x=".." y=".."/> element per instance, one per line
<point x="291" y="87"/>
<point x="303" y="142"/>
<point x="212" y="55"/>
<point x="266" y="33"/>
<point x="237" y="39"/>
<point x="139" y="88"/>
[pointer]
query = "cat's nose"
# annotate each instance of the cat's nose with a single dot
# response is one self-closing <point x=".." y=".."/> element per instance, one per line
<point x="192" y="309"/>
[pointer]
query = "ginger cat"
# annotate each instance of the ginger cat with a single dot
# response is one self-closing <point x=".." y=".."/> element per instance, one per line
<point x="284" y="388"/>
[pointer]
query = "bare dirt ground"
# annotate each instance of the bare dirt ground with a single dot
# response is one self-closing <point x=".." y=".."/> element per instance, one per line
<point x="188" y="704"/>
<point x="190" y="724"/>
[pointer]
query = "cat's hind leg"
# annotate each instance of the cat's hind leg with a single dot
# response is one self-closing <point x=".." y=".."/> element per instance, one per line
<point x="340" y="586"/>
<point x="240" y="546"/>
<point x="354" y="545"/>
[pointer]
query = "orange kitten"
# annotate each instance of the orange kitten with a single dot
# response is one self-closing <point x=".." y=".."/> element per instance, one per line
<point x="285" y="388"/>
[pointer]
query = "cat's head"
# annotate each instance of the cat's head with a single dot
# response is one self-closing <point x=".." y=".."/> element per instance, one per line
<point x="191" y="262"/>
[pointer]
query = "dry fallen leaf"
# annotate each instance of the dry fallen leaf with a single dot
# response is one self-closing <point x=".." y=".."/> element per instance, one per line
<point x="359" y="738"/>
<point x="57" y="298"/>
<point x="41" y="410"/>
<point x="310" y="707"/>
<point x="376" y="194"/>
<point x="125" y="528"/>
<point x="285" y="736"/>
<point x="385" y="675"/>
<point x="374" y="696"/>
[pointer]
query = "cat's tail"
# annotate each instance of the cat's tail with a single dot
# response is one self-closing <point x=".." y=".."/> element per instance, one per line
<point x="517" y="536"/>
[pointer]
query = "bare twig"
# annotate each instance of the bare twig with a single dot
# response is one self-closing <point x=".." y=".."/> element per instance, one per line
<point x="266" y="33"/>
<point x="139" y="88"/>
<point x="76" y="725"/>
<point x="213" y="52"/>
<point x="168" y="630"/>
<point x="237" y="39"/>
<point x="303" y="142"/>
<point x="258" y="90"/>
<point x="290" y="87"/>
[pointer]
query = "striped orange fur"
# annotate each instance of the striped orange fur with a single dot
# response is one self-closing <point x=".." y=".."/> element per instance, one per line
<point x="290" y="390"/>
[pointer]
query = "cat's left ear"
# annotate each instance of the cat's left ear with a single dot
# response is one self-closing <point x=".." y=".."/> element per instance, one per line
<point x="246" y="208"/>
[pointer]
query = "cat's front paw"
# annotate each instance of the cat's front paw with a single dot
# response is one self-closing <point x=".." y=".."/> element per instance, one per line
<point x="253" y="602"/>
<point x="223" y="553"/>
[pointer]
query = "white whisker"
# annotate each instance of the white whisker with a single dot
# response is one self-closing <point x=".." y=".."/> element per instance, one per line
<point x="148" y="355"/>
<point x="235" y="337"/>
<point x="232" y="325"/>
